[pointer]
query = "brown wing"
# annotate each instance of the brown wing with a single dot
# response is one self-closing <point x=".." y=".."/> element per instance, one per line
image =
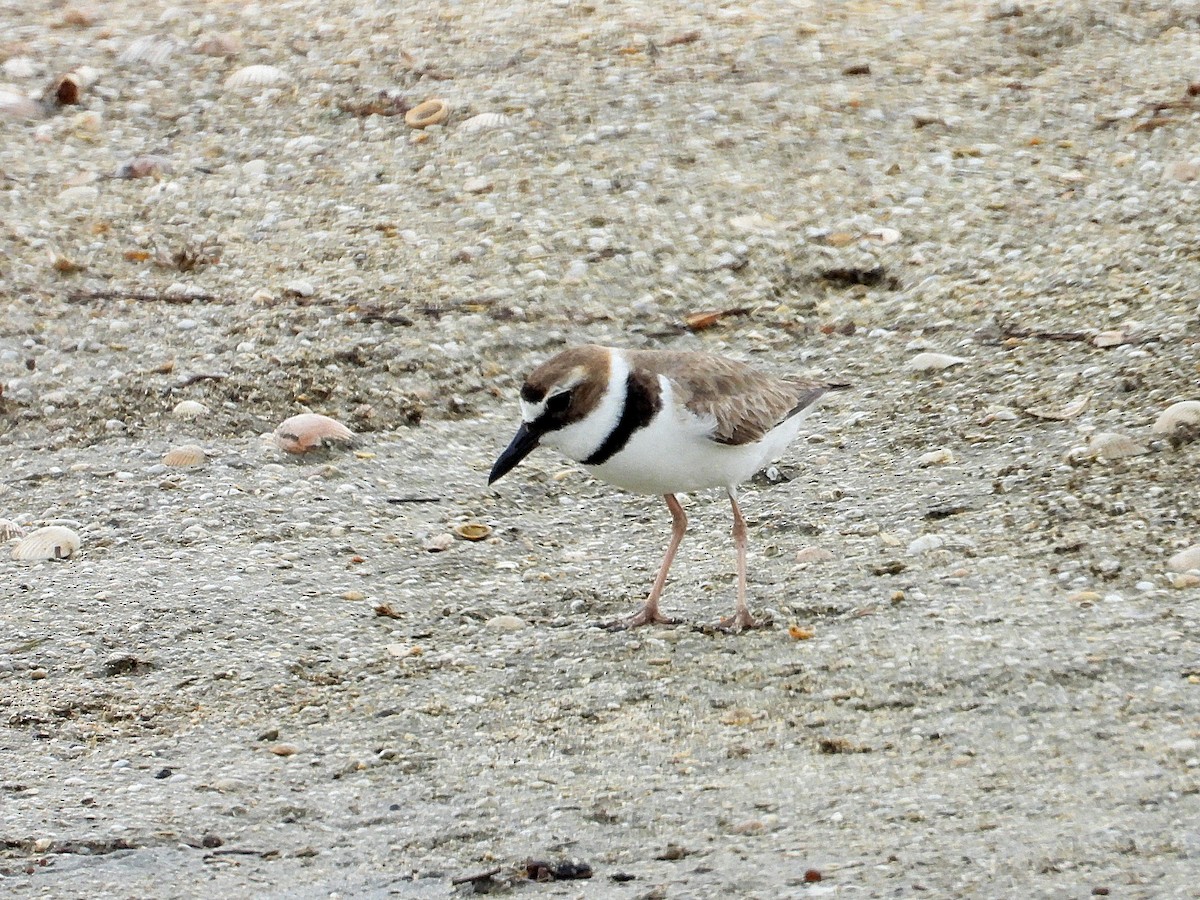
<point x="744" y="402"/>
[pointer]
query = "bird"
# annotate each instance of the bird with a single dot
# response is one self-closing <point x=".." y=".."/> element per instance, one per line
<point x="662" y="422"/>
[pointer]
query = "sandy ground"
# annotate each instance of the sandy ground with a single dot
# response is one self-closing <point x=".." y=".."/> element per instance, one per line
<point x="276" y="676"/>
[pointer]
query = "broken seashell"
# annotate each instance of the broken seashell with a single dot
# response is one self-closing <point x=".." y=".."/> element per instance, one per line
<point x="431" y="112"/>
<point x="256" y="76"/>
<point x="50" y="542"/>
<point x="185" y="455"/>
<point x="310" y="431"/>
<point x="934" y="362"/>
<point x="1078" y="456"/>
<point x="19" y="67"/>
<point x="1111" y="445"/>
<point x="813" y="554"/>
<point x="883" y="236"/>
<point x="18" y="106"/>
<point x="472" y="531"/>
<point x="10" y="529"/>
<point x="484" y="122"/>
<point x="147" y="166"/>
<point x="438" y="543"/>
<point x="189" y="409"/>
<point x="1106" y="339"/>
<point x="925" y="544"/>
<point x="1177" y="415"/>
<point x="153" y="49"/>
<point x="998" y="414"/>
<point x="939" y="457"/>
<point x="66" y="90"/>
<point x="1185" y="560"/>
<point x="1070" y="411"/>
<point x="220" y="44"/>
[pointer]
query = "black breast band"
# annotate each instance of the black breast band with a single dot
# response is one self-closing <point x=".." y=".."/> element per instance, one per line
<point x="641" y="403"/>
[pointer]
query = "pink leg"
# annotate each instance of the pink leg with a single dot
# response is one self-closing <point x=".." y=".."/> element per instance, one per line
<point x="650" y="613"/>
<point x="741" y="618"/>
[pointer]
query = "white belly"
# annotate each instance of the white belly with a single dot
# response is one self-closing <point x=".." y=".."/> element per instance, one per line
<point x="673" y="454"/>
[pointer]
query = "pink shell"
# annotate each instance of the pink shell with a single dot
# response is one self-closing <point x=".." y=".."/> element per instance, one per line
<point x="310" y="431"/>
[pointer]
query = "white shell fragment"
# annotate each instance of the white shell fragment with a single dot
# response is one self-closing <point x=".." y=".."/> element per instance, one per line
<point x="438" y="543"/>
<point x="813" y="555"/>
<point x="185" y="456"/>
<point x="1106" y="339"/>
<point x="18" y="106"/>
<point x="883" y="236"/>
<point x="505" y="623"/>
<point x="310" y="431"/>
<point x="256" y="76"/>
<point x="219" y="44"/>
<point x="1177" y="415"/>
<point x="1185" y="560"/>
<point x="50" y="542"/>
<point x="484" y="122"/>
<point x="145" y="166"/>
<point x="925" y="544"/>
<point x="1112" y="445"/>
<point x="939" y="457"/>
<point x="189" y="409"/>
<point x="1070" y="411"/>
<point x="153" y="49"/>
<point x="9" y="530"/>
<point x="934" y="362"/>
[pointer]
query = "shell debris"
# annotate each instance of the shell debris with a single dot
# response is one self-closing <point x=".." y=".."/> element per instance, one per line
<point x="1185" y="413"/>
<point x="1112" y="445"/>
<point x="484" y="122"/>
<point x="146" y="166"/>
<point x="218" y="44"/>
<point x="256" y="76"/>
<point x="1062" y="413"/>
<point x="18" y="106"/>
<point x="934" y="362"/>
<point x="310" y="431"/>
<point x="10" y="529"/>
<point x="431" y="112"/>
<point x="1185" y="560"/>
<point x="152" y="49"/>
<point x="472" y="531"/>
<point x="189" y="409"/>
<point x="184" y="456"/>
<point x="813" y="555"/>
<point x="48" y="542"/>
<point x="940" y="457"/>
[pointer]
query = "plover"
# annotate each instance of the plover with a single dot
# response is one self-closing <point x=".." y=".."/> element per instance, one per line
<point x="660" y="422"/>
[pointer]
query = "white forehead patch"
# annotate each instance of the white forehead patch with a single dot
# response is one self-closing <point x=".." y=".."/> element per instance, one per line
<point x="530" y="411"/>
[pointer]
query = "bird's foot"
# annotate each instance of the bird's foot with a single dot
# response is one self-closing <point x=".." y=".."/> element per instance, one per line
<point x="741" y="621"/>
<point x="647" y="615"/>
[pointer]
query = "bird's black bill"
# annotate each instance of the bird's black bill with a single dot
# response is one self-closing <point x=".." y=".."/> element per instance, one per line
<point x="521" y="446"/>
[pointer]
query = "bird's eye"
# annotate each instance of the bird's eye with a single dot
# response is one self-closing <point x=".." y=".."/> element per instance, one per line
<point x="559" y="403"/>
